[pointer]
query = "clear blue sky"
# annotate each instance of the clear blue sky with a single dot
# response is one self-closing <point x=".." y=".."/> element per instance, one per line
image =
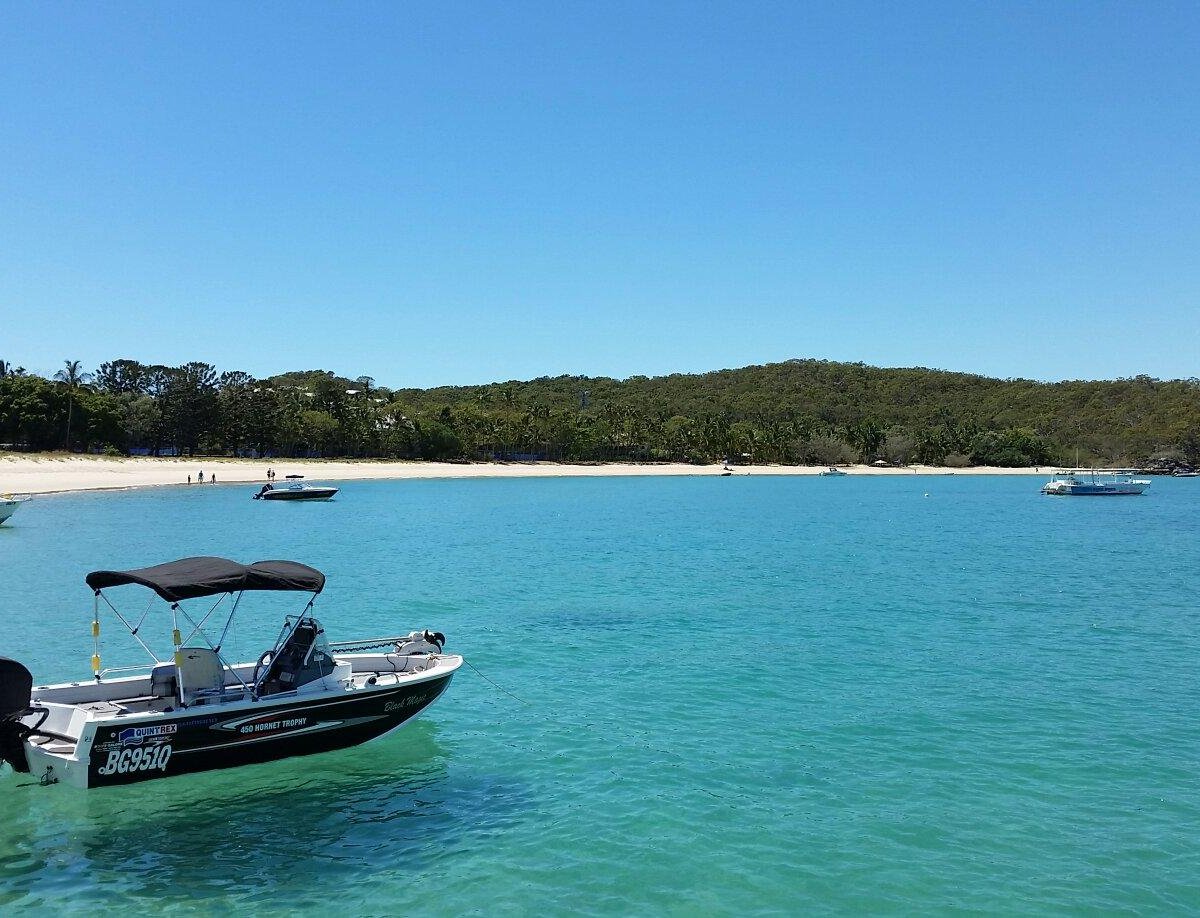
<point x="466" y="192"/>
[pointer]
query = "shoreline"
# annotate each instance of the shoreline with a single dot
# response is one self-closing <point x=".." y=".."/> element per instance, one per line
<point x="50" y="474"/>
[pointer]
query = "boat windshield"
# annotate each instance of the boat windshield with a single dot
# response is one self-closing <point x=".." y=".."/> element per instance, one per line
<point x="301" y="655"/>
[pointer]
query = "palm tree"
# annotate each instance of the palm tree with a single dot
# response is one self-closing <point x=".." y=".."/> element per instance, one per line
<point x="71" y="375"/>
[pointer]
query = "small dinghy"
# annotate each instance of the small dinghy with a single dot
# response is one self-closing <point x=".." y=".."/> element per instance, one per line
<point x="11" y="503"/>
<point x="198" y="711"/>
<point x="295" y="489"/>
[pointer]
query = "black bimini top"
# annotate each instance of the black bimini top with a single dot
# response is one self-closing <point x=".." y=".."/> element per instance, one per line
<point x="193" y="577"/>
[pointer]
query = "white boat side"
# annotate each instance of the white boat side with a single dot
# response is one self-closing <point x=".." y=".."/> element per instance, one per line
<point x="10" y="503"/>
<point x="79" y="712"/>
<point x="1096" y="483"/>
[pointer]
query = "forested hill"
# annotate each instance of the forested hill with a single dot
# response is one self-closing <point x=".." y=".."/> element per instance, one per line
<point x="800" y="411"/>
<point x="922" y="414"/>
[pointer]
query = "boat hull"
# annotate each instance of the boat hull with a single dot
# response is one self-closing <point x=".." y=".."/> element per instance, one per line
<point x="206" y="738"/>
<point x="300" y="494"/>
<point x="1096" y="483"/>
<point x="8" y="508"/>
<point x="1090" y="490"/>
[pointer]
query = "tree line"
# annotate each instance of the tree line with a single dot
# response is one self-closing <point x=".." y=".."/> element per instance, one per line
<point x="797" y="412"/>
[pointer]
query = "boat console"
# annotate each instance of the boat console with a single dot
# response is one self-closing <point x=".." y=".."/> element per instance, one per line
<point x="301" y="657"/>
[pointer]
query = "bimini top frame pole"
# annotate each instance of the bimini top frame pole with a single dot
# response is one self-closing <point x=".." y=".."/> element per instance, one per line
<point x="191" y="578"/>
<point x="133" y="630"/>
<point x="198" y="629"/>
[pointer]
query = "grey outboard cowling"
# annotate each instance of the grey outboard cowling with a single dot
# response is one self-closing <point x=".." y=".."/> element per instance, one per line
<point x="16" y="689"/>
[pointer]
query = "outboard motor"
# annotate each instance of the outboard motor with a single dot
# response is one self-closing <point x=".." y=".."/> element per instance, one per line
<point x="16" y="690"/>
<point x="430" y="642"/>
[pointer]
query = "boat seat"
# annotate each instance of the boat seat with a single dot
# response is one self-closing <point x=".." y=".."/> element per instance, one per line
<point x="163" y="681"/>
<point x="200" y="673"/>
<point x="302" y="659"/>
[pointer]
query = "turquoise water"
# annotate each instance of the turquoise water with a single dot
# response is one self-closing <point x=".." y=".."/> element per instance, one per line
<point x="745" y="695"/>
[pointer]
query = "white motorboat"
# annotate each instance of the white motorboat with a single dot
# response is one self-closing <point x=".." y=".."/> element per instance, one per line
<point x="10" y="503"/>
<point x="1095" y="482"/>
<point x="197" y="711"/>
<point x="831" y="472"/>
<point x="295" y="488"/>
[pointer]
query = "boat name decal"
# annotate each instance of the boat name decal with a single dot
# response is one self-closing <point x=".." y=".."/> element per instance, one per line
<point x="411" y="702"/>
<point x="126" y="761"/>
<point x="135" y="736"/>
<point x="273" y="725"/>
<point x="262" y="723"/>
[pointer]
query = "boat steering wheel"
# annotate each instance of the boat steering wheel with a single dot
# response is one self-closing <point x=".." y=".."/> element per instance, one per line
<point x="264" y="660"/>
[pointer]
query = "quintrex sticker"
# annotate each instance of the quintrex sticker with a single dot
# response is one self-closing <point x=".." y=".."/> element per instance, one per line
<point x="135" y="736"/>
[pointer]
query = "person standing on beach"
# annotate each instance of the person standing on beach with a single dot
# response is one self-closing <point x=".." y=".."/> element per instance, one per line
<point x="189" y="479"/>
<point x="212" y="479"/>
<point x="200" y="477"/>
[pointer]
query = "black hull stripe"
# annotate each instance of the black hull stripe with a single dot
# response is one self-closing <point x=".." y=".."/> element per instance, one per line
<point x="355" y="727"/>
<point x="316" y="728"/>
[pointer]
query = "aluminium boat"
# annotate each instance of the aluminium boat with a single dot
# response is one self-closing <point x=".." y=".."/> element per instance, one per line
<point x="197" y="711"/>
<point x="295" y="488"/>
<point x="10" y="504"/>
<point x="1095" y="482"/>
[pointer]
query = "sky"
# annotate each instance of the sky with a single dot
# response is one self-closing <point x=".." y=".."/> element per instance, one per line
<point x="465" y="192"/>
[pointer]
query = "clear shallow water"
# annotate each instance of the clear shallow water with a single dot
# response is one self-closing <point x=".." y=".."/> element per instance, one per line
<point x="741" y="695"/>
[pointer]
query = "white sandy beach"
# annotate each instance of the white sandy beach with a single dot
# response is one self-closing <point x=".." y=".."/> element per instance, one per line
<point x="45" y="474"/>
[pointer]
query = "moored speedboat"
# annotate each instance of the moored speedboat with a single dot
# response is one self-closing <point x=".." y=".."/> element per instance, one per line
<point x="831" y="472"/>
<point x="295" y="488"/>
<point x="199" y="712"/>
<point x="1095" y="482"/>
<point x="11" y="503"/>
